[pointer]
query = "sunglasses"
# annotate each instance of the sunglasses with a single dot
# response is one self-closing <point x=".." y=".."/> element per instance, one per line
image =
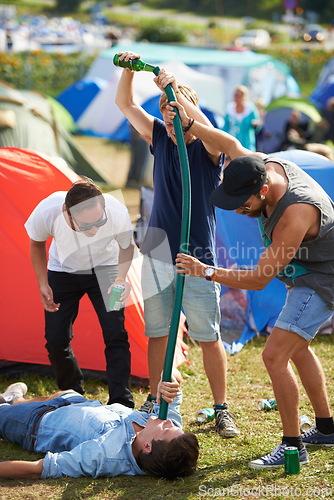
<point x="246" y="209"/>
<point x="87" y="226"/>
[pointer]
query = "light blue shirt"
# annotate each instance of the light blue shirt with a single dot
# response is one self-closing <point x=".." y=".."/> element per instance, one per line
<point x="240" y="124"/>
<point x="90" y="439"/>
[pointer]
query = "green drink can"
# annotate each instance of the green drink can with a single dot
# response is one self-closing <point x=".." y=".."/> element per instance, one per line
<point x="205" y="415"/>
<point x="266" y="404"/>
<point x="291" y="460"/>
<point x="115" y="303"/>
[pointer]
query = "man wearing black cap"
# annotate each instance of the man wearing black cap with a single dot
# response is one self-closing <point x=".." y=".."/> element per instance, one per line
<point x="296" y="218"/>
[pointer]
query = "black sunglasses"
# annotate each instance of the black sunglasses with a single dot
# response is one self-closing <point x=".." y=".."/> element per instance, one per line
<point x="88" y="225"/>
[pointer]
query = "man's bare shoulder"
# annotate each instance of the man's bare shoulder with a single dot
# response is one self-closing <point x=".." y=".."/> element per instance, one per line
<point x="303" y="217"/>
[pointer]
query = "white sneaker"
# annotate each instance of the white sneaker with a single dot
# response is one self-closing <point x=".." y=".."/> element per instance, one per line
<point x="225" y="424"/>
<point x="13" y="392"/>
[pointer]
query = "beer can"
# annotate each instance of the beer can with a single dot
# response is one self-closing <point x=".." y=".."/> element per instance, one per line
<point x="266" y="404"/>
<point x="291" y="460"/>
<point x="115" y="303"/>
<point x="304" y="423"/>
<point x="205" y="415"/>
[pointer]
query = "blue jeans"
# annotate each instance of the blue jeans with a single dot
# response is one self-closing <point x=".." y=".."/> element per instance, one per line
<point x="19" y="423"/>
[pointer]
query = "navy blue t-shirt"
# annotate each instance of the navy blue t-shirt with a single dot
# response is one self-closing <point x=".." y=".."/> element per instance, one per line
<point x="162" y="239"/>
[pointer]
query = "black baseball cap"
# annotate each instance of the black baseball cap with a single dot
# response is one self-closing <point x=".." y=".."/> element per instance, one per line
<point x="243" y="177"/>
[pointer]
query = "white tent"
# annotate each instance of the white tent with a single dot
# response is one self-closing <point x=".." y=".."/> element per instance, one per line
<point x="214" y="74"/>
<point x="102" y="116"/>
<point x="263" y="75"/>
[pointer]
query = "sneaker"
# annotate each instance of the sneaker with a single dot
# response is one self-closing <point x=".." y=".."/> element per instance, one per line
<point x="13" y="392"/>
<point x="148" y="406"/>
<point x="314" y="437"/>
<point x="225" y="425"/>
<point x="275" y="459"/>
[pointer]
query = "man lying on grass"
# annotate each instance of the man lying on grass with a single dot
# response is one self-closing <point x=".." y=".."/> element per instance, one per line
<point x="85" y="438"/>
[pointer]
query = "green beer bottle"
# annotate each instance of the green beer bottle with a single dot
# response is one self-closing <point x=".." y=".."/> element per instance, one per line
<point x="133" y="64"/>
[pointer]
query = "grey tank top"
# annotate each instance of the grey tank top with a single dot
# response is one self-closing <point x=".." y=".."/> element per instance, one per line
<point x="314" y="260"/>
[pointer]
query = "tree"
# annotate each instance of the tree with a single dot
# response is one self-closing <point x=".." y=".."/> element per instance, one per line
<point x="66" y="6"/>
<point x="325" y="8"/>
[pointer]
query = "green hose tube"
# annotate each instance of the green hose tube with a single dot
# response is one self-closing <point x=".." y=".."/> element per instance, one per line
<point x="138" y="65"/>
<point x="184" y="243"/>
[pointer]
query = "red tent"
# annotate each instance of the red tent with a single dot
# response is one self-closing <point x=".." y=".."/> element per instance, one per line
<point x="25" y="179"/>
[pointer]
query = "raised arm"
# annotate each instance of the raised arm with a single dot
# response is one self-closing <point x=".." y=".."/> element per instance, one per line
<point x="20" y="469"/>
<point x="137" y="116"/>
<point x="162" y="80"/>
<point x="214" y="137"/>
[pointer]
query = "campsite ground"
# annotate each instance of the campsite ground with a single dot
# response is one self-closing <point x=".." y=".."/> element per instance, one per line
<point x="223" y="470"/>
<point x="223" y="464"/>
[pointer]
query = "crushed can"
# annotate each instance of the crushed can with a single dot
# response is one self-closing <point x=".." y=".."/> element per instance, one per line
<point x="291" y="460"/>
<point x="267" y="404"/>
<point x="115" y="303"/>
<point x="304" y="423"/>
<point x="205" y="415"/>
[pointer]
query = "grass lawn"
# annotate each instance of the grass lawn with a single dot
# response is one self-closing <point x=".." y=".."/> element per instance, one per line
<point x="223" y="470"/>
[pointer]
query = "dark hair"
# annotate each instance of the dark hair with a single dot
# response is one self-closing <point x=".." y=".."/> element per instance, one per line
<point x="173" y="459"/>
<point x="83" y="190"/>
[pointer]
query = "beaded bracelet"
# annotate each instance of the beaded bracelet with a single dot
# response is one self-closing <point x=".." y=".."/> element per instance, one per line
<point x="190" y="124"/>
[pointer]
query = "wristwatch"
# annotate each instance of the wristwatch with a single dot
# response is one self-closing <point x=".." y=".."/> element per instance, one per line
<point x="210" y="273"/>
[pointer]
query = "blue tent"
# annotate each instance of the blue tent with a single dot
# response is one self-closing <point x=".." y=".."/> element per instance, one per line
<point x="248" y="313"/>
<point x="76" y="97"/>
<point x="322" y="93"/>
<point x="325" y="85"/>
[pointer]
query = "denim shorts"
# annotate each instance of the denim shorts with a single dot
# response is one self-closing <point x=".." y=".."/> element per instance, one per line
<point x="303" y="313"/>
<point x="200" y="302"/>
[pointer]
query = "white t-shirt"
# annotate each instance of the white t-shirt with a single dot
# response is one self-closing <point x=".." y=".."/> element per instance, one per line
<point x="72" y="251"/>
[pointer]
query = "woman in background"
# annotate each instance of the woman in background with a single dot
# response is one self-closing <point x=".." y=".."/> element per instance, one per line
<point x="242" y="118"/>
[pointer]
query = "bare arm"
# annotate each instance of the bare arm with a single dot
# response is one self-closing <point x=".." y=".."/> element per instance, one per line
<point x="287" y="237"/>
<point x="39" y="261"/>
<point x="124" y="262"/>
<point x="192" y="111"/>
<point x="213" y="137"/>
<point x="125" y="259"/>
<point x="21" y="469"/>
<point x="137" y="116"/>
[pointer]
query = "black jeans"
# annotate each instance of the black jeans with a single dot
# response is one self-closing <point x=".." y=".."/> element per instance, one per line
<point x="68" y="289"/>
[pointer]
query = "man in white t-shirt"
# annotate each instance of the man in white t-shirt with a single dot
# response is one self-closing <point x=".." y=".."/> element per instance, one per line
<point x="91" y="250"/>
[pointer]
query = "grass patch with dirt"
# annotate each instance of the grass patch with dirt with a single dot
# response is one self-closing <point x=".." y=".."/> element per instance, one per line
<point x="223" y="470"/>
